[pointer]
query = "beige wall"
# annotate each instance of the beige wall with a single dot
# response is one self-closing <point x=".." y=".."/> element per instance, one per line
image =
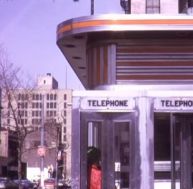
<point x="169" y="6"/>
<point x="4" y="144"/>
<point x="138" y="6"/>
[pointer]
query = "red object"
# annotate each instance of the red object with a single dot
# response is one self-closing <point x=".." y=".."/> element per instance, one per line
<point x="49" y="183"/>
<point x="95" y="178"/>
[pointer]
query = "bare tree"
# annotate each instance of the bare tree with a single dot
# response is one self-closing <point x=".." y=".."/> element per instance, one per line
<point x="15" y="96"/>
<point x="54" y="131"/>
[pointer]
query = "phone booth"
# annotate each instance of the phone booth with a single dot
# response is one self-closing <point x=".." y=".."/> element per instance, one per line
<point x="107" y="123"/>
<point x="132" y="128"/>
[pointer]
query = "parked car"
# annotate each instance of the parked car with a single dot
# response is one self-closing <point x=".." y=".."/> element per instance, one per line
<point x="62" y="184"/>
<point x="6" y="183"/>
<point x="25" y="183"/>
<point x="49" y="183"/>
<point x="36" y="184"/>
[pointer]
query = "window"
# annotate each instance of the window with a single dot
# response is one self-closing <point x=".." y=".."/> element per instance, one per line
<point x="22" y="121"/>
<point x="152" y="6"/>
<point x="184" y="5"/>
<point x="23" y="97"/>
<point x="65" y="97"/>
<point x="162" y="146"/>
<point x="190" y="3"/>
<point x="51" y="96"/>
<point x="173" y="139"/>
<point x="36" y="121"/>
<point x="19" y="96"/>
<point x="64" y="138"/>
<point x="47" y="113"/>
<point x="37" y="97"/>
<point x="126" y="5"/>
<point x="37" y="113"/>
<point x="55" y="96"/>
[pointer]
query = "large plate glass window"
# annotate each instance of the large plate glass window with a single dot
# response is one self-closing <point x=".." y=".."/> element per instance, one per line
<point x="173" y="140"/>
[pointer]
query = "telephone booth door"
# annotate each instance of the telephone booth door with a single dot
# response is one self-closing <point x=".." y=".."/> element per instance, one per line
<point x="182" y="150"/>
<point x="173" y="150"/>
<point x="113" y="135"/>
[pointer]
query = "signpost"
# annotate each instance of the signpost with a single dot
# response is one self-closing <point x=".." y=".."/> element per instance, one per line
<point x="41" y="149"/>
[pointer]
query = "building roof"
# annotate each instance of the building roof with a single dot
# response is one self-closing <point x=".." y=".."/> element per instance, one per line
<point x="73" y="34"/>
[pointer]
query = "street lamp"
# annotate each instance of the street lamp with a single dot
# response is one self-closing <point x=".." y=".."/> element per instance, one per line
<point x="59" y="152"/>
<point x="92" y="7"/>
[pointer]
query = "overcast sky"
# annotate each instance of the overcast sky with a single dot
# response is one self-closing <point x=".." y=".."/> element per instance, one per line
<point x="28" y="33"/>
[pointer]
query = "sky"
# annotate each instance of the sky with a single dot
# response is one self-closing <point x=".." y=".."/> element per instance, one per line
<point x="28" y="34"/>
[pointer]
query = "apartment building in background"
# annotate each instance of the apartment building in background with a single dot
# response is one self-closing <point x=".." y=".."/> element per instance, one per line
<point x="46" y="112"/>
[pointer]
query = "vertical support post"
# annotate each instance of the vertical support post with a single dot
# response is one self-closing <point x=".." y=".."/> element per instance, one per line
<point x="172" y="146"/>
<point x="42" y="145"/>
<point x="146" y="144"/>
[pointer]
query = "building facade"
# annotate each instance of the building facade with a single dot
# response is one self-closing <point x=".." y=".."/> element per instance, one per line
<point x="46" y="113"/>
<point x="138" y="107"/>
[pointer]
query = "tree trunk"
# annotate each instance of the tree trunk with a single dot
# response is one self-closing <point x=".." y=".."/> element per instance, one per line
<point x="19" y="170"/>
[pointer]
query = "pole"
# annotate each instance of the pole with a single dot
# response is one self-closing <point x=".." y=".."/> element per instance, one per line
<point x="56" y="165"/>
<point x="57" y="153"/>
<point x="0" y="115"/>
<point x="66" y="83"/>
<point x="42" y="145"/>
<point x="92" y="7"/>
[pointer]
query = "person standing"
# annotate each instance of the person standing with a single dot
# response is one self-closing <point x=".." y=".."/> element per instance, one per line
<point x="94" y="173"/>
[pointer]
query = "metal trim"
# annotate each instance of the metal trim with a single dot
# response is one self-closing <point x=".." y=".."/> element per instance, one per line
<point x="119" y="22"/>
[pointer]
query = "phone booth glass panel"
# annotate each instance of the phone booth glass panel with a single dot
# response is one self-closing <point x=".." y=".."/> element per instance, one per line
<point x="111" y="135"/>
